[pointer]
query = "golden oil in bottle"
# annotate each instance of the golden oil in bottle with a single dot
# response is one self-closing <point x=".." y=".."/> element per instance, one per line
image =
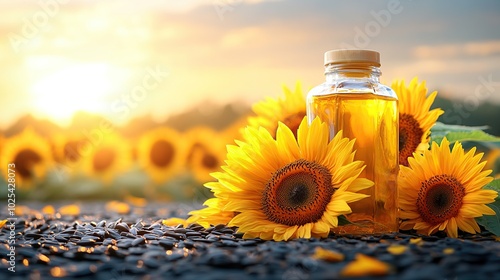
<point x="353" y="100"/>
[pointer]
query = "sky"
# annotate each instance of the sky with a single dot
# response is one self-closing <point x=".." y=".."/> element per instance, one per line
<point x="126" y="59"/>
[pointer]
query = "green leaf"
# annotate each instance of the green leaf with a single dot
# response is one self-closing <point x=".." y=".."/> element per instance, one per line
<point x="492" y="222"/>
<point x="343" y="220"/>
<point x="461" y="133"/>
<point x="478" y="136"/>
<point x="494" y="185"/>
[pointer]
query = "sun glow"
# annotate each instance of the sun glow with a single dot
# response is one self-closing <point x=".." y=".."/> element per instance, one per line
<point x="82" y="87"/>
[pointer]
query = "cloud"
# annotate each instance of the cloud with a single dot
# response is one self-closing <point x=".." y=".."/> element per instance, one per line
<point x="482" y="48"/>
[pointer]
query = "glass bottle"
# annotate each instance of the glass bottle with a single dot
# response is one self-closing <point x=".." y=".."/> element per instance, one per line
<point x="353" y="100"/>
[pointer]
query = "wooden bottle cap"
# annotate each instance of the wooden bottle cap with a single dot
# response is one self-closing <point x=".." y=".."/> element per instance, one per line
<point x="352" y="56"/>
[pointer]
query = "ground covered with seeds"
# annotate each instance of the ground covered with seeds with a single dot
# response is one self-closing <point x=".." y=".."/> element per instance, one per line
<point x="100" y="244"/>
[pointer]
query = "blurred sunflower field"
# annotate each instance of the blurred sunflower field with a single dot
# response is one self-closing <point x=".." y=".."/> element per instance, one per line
<point x="93" y="159"/>
<point x="144" y="159"/>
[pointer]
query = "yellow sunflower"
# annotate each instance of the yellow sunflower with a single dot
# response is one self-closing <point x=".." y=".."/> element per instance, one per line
<point x="161" y="153"/>
<point x="288" y="187"/>
<point x="415" y="117"/>
<point x="442" y="190"/>
<point x="205" y="153"/>
<point x="31" y="155"/>
<point x="107" y="158"/>
<point x="68" y="148"/>
<point x="289" y="110"/>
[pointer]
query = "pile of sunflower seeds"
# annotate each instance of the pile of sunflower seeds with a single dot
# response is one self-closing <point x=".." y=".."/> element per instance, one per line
<point x="137" y="245"/>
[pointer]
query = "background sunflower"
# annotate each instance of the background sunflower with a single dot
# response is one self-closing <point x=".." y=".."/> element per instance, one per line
<point x="161" y="152"/>
<point x="206" y="151"/>
<point x="68" y="148"/>
<point x="289" y="110"/>
<point x="415" y="117"/>
<point x="107" y="158"/>
<point x="31" y="155"/>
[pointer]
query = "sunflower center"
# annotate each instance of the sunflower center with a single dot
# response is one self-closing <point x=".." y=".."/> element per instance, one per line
<point x="209" y="161"/>
<point x="440" y="198"/>
<point x="162" y="153"/>
<point x="24" y="162"/>
<point x="410" y="135"/>
<point x="293" y="121"/>
<point x="103" y="159"/>
<point x="298" y="193"/>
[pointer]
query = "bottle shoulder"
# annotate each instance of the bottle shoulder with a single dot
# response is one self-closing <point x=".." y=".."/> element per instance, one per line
<point x="352" y="87"/>
<point x="386" y="91"/>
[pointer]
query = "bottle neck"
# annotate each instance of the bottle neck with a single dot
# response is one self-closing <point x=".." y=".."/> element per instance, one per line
<point x="352" y="71"/>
